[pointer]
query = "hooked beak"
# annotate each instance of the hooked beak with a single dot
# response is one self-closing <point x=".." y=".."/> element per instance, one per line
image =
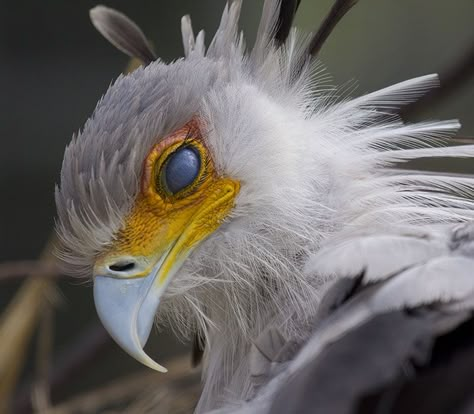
<point x="127" y="307"/>
<point x="129" y="281"/>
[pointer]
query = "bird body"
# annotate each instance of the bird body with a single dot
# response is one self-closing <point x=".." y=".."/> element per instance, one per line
<point x="293" y="227"/>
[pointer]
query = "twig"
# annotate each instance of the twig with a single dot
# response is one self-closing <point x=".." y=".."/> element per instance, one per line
<point x="17" y="325"/>
<point x="41" y="399"/>
<point x="22" y="269"/>
<point x="179" y="377"/>
<point x="72" y="361"/>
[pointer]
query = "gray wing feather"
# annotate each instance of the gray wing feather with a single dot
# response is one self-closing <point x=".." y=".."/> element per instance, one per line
<point x="391" y="298"/>
<point x="441" y="280"/>
<point x="396" y="273"/>
<point x="364" y="360"/>
<point x="426" y="271"/>
<point x="378" y="257"/>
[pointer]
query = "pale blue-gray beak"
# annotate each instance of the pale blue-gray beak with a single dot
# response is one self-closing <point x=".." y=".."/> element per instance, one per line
<point x="127" y="308"/>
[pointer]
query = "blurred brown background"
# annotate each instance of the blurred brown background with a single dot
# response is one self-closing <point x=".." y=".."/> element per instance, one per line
<point x="54" y="67"/>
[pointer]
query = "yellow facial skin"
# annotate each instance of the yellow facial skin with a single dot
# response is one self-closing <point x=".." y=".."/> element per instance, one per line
<point x="160" y="221"/>
<point x="158" y="234"/>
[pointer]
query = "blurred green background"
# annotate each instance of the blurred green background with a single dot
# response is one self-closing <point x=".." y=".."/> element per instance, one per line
<point x="54" y="67"/>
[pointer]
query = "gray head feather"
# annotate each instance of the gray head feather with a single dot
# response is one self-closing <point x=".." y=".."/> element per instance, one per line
<point x="102" y="164"/>
<point x="313" y="172"/>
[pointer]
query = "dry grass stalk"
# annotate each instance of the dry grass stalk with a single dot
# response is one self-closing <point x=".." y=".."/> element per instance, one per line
<point x="17" y="325"/>
<point x="21" y="269"/>
<point x="142" y="392"/>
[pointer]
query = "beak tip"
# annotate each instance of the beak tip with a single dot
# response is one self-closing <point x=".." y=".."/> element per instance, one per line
<point x="127" y="313"/>
<point x="143" y="357"/>
<point x="161" y="369"/>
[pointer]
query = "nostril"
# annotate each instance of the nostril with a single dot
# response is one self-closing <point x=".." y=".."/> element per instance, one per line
<point x="122" y="266"/>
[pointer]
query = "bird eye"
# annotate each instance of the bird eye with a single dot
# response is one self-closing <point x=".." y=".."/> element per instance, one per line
<point x="181" y="169"/>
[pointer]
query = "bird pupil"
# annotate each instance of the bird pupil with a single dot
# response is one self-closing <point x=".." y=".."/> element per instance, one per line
<point x="181" y="169"/>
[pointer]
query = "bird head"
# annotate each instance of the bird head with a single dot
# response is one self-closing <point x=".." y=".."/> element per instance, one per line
<point x="192" y="185"/>
<point x="198" y="189"/>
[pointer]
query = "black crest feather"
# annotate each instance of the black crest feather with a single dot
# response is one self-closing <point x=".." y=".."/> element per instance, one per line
<point x="337" y="12"/>
<point x="288" y="9"/>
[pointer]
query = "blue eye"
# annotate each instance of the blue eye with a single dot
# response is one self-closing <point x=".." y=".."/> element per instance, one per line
<point x="181" y="169"/>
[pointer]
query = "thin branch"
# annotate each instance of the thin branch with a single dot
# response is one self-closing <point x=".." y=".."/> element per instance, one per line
<point x="18" y="323"/>
<point x="179" y="379"/>
<point x="74" y="360"/>
<point x="22" y="269"/>
<point x="41" y="393"/>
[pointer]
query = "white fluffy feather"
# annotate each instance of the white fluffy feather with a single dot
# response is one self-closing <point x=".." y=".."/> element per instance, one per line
<point x="315" y="173"/>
